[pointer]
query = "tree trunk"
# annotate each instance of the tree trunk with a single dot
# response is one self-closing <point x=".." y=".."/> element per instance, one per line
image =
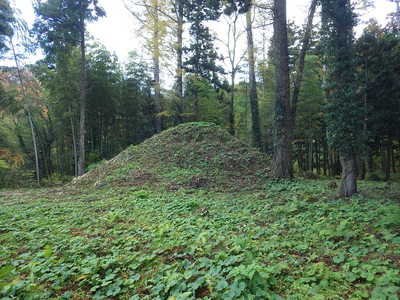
<point x="398" y="17"/>
<point x="44" y="167"/>
<point x="393" y="158"/>
<point x="255" y="115"/>
<point x="102" y="136"/>
<point x="232" y="45"/>
<point x="337" y="163"/>
<point x="82" y="94"/>
<point x="388" y="158"/>
<point x="299" y="156"/>
<point x="156" y="62"/>
<point x="35" y="148"/>
<point x="282" y="157"/>
<point x="325" y="157"/>
<point x="382" y="154"/>
<point x="360" y="167"/>
<point x="300" y="66"/>
<point x="370" y="161"/>
<point x="363" y="169"/>
<point x="179" y="70"/>
<point x="348" y="185"/>
<point x="232" y="105"/>
<point x="310" y="154"/>
<point x="317" y="156"/>
<point x="196" y="106"/>
<point x="73" y="141"/>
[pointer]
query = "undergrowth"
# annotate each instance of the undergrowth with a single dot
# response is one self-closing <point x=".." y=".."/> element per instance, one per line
<point x="286" y="240"/>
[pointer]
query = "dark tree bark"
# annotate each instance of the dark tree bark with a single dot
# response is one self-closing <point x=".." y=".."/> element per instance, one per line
<point x="388" y="158"/>
<point x="370" y="162"/>
<point x="393" y="159"/>
<point x="255" y="115"/>
<point x="325" y="158"/>
<point x="82" y="93"/>
<point x="360" y="163"/>
<point x="282" y="157"/>
<point x="310" y="154"/>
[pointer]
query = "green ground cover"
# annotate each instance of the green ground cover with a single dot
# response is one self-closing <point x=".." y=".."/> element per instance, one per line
<point x="281" y="241"/>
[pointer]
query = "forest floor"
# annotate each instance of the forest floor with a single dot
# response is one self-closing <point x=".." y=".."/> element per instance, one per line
<point x="283" y="240"/>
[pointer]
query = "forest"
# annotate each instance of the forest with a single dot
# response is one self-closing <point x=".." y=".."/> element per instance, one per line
<point x="79" y="105"/>
<point x="257" y="163"/>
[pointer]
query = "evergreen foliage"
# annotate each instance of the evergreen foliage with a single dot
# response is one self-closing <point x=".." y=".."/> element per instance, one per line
<point x="202" y="57"/>
<point x="6" y="29"/>
<point x="58" y="26"/>
<point x="344" y="109"/>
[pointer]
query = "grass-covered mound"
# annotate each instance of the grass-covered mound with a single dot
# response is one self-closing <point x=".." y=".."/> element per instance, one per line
<point x="191" y="155"/>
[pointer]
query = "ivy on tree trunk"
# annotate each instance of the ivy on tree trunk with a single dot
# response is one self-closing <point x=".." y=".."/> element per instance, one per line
<point x="344" y="109"/>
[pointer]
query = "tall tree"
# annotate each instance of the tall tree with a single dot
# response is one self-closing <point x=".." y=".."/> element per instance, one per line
<point x="301" y="60"/>
<point x="344" y="110"/>
<point x="201" y="55"/>
<point x="154" y="20"/>
<point x="397" y="16"/>
<point x="60" y="25"/>
<point x="235" y="60"/>
<point x="136" y="107"/>
<point x="62" y="85"/>
<point x="178" y="8"/>
<point x="253" y="97"/>
<point x="282" y="156"/>
<point x="28" y="111"/>
<point x="8" y="28"/>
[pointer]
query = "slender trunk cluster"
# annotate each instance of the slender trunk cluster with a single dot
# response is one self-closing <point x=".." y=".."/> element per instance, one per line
<point x="28" y="110"/>
<point x="231" y="44"/>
